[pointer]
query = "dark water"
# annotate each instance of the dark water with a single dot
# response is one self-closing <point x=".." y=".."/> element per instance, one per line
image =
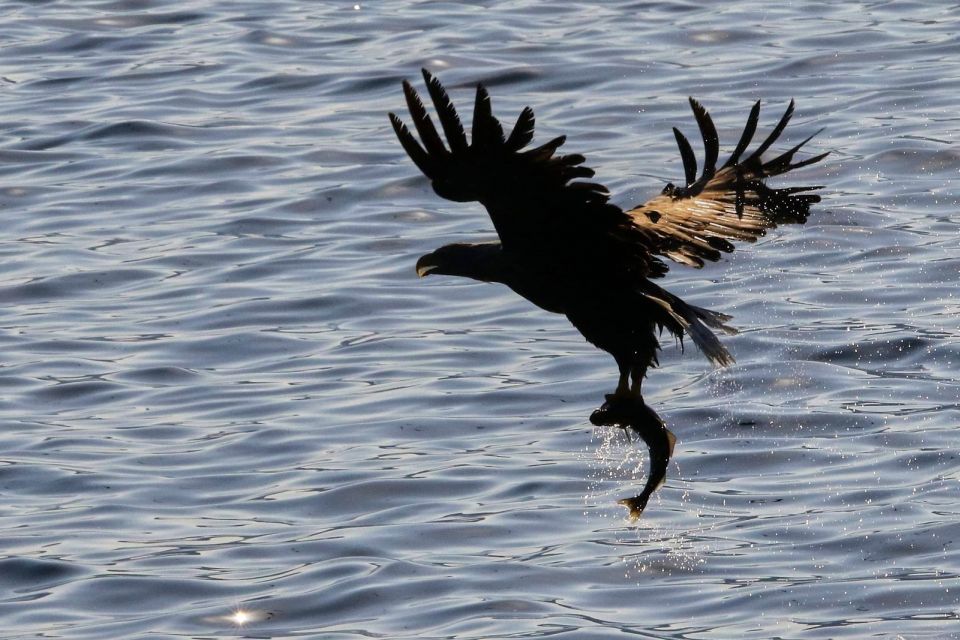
<point x="223" y="386"/>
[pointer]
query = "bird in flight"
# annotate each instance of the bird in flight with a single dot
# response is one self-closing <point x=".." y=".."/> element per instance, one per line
<point x="567" y="249"/>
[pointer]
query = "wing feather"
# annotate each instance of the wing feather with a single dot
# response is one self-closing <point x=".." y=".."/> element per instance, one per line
<point x="540" y="201"/>
<point x="777" y="130"/>
<point x="694" y="224"/>
<point x="423" y="123"/>
<point x="420" y="157"/>
<point x="746" y="137"/>
<point x="688" y="156"/>
<point x="487" y="131"/>
<point x="522" y="132"/>
<point x="711" y="141"/>
<point x="449" y="119"/>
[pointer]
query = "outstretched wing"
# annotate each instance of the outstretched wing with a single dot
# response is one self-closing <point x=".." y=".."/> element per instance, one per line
<point x="539" y="204"/>
<point x="695" y="223"/>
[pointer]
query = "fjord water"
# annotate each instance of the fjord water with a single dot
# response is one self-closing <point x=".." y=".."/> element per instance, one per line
<point x="224" y="388"/>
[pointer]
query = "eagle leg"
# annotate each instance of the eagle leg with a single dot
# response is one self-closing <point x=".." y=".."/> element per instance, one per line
<point x="637" y="374"/>
<point x="623" y="384"/>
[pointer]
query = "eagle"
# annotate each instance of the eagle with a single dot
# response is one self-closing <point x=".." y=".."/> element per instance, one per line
<point x="567" y="249"/>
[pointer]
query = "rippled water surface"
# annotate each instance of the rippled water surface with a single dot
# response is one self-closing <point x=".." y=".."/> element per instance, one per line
<point x="224" y="388"/>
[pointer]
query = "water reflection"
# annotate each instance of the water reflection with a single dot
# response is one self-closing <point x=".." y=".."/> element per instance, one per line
<point x="636" y="417"/>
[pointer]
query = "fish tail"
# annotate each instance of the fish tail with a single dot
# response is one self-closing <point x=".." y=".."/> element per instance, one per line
<point x="636" y="505"/>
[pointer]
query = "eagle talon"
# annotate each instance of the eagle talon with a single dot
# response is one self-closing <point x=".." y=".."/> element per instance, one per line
<point x="623" y="411"/>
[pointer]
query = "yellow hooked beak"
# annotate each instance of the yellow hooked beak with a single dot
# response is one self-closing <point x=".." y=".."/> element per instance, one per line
<point x="425" y="265"/>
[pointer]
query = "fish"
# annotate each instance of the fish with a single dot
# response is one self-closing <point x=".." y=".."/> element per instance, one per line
<point x="635" y="416"/>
